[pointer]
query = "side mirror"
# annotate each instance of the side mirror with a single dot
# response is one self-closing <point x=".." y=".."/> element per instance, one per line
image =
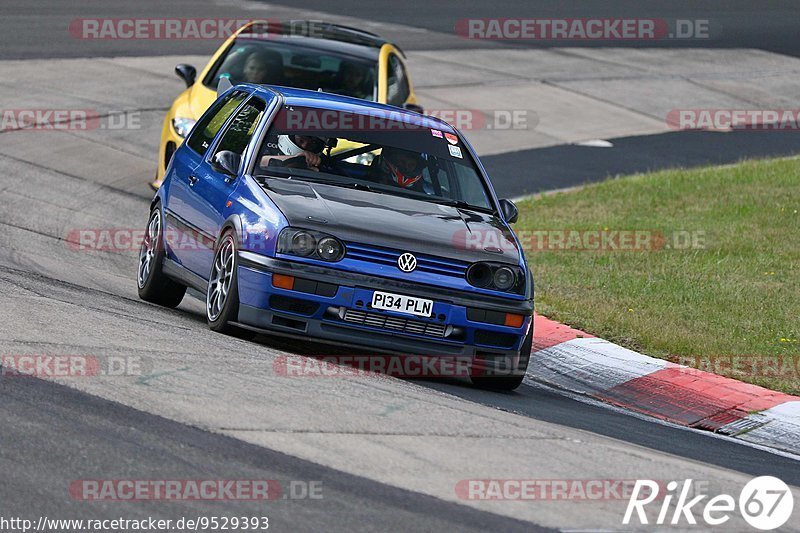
<point x="414" y="107"/>
<point x="226" y="162"/>
<point x="510" y="212"/>
<point x="187" y="73"/>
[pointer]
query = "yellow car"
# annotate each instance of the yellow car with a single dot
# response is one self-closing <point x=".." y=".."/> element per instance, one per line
<point x="304" y="54"/>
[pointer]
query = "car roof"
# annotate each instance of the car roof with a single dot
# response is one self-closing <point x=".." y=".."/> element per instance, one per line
<point x="321" y="35"/>
<point x="335" y="102"/>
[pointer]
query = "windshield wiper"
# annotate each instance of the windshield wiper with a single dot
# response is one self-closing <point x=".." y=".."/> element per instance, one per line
<point x="327" y="179"/>
<point x="357" y="185"/>
<point x="460" y="204"/>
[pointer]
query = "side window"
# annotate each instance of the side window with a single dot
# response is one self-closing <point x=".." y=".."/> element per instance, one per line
<point x="205" y="130"/>
<point x="239" y="133"/>
<point x="471" y="188"/>
<point x="397" y="89"/>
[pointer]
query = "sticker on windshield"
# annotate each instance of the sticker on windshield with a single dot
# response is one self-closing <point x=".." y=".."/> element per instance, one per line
<point x="436" y="133"/>
<point x="452" y="139"/>
<point x="455" y="151"/>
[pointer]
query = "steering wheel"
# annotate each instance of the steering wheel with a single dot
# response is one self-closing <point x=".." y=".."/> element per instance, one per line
<point x="330" y="165"/>
<point x="327" y="164"/>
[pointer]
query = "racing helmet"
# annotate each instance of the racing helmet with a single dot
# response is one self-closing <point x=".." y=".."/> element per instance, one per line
<point x="287" y="144"/>
<point x="404" y="166"/>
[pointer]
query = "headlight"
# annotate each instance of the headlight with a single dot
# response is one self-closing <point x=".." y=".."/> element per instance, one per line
<point x="183" y="126"/>
<point x="303" y="243"/>
<point x="480" y="275"/>
<point x="503" y="278"/>
<point x="313" y="244"/>
<point x="496" y="276"/>
<point x="330" y="249"/>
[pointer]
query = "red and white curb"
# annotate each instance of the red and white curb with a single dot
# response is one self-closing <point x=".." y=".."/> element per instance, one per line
<point x="581" y="363"/>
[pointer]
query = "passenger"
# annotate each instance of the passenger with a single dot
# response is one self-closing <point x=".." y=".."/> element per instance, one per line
<point x="351" y="81"/>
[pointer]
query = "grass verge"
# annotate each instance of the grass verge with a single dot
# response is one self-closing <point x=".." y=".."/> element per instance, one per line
<point x="704" y="268"/>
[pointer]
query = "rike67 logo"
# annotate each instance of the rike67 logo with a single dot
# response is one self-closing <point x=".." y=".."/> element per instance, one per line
<point x="765" y="503"/>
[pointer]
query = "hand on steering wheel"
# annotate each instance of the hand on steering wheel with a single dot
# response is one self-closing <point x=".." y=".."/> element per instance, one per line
<point x="304" y="161"/>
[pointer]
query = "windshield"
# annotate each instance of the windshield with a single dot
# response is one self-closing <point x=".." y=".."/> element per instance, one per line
<point x="377" y="152"/>
<point x="278" y="63"/>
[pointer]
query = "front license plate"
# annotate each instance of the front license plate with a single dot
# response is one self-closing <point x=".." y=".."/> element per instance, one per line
<point x="402" y="304"/>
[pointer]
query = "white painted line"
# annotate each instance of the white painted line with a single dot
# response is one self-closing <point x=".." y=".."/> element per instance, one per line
<point x="596" y="143"/>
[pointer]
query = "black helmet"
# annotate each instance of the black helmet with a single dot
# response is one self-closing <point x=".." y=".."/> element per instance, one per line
<point x="405" y="166"/>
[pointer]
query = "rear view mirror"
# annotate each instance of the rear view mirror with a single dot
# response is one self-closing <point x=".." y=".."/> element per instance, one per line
<point x="510" y="212"/>
<point x="187" y="73"/>
<point x="226" y="162"/>
<point x="306" y="61"/>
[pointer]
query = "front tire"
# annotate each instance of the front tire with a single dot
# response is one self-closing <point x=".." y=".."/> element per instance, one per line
<point x="514" y="380"/>
<point x="222" y="294"/>
<point x="154" y="286"/>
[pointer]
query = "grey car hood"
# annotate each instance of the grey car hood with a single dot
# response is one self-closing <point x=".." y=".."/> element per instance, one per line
<point x="397" y="222"/>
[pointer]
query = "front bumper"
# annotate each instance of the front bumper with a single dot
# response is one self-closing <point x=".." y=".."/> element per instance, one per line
<point x="335" y="306"/>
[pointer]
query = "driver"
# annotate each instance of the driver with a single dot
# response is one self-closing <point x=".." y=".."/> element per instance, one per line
<point x="293" y="151"/>
<point x="263" y="66"/>
<point x="398" y="167"/>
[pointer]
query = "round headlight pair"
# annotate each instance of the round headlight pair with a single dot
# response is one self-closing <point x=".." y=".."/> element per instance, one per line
<point x="305" y="244"/>
<point x="485" y="275"/>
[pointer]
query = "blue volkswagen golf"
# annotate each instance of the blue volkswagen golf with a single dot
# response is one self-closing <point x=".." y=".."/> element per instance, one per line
<point x="323" y="217"/>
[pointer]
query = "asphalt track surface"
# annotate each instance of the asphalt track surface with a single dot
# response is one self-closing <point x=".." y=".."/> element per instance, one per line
<point x="35" y="29"/>
<point x="212" y="412"/>
<point x="563" y="166"/>
<point x="732" y="24"/>
<point x="69" y="435"/>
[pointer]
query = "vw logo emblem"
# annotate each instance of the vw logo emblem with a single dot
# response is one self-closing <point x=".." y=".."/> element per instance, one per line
<point x="407" y="262"/>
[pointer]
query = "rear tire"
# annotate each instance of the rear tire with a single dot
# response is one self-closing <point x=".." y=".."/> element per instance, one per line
<point x="511" y="381"/>
<point x="222" y="294"/>
<point x="154" y="286"/>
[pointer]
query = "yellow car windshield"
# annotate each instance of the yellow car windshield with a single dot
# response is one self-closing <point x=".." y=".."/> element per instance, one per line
<point x="281" y="62"/>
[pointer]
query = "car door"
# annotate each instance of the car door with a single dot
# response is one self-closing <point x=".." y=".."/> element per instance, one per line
<point x="182" y="236"/>
<point x="212" y="186"/>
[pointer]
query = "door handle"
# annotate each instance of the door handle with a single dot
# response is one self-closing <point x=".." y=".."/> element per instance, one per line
<point x="192" y="180"/>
